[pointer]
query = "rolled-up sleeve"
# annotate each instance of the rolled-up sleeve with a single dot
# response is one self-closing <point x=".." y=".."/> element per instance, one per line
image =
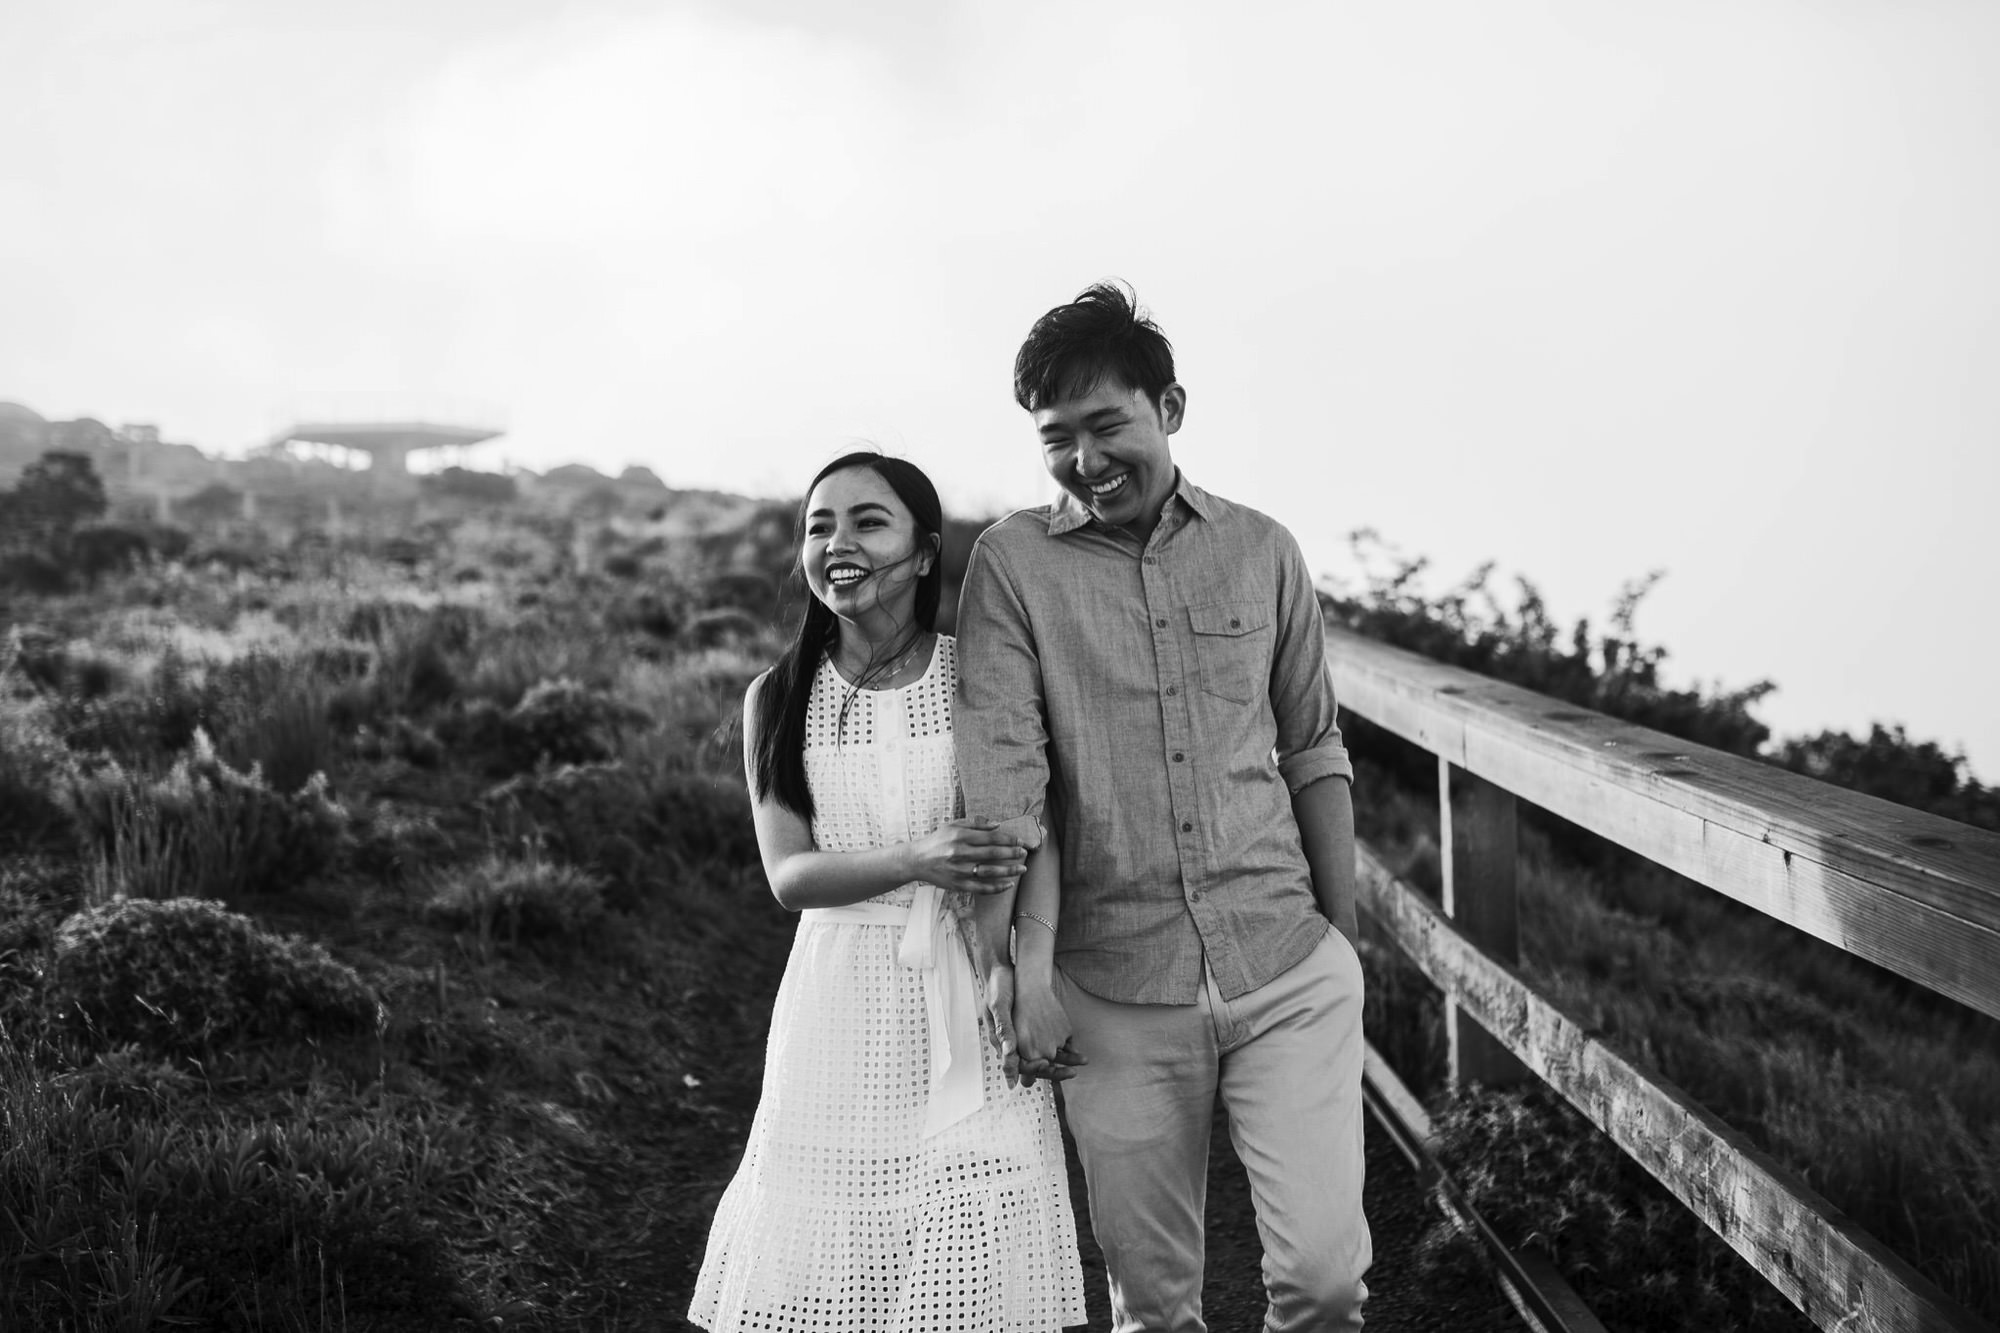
<point x="1309" y="743"/>
<point x="999" y="718"/>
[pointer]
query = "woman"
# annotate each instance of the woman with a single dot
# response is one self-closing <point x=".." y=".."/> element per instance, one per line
<point x="895" y="1177"/>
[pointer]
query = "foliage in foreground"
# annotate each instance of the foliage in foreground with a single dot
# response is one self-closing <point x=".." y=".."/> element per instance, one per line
<point x="1617" y="672"/>
<point x="136" y="1203"/>
<point x="185" y="975"/>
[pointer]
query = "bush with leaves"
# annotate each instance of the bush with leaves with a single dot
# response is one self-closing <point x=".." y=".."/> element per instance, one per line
<point x="528" y="898"/>
<point x="563" y="722"/>
<point x="1469" y="626"/>
<point x="556" y="722"/>
<point x="34" y="766"/>
<point x="204" y="830"/>
<point x="1546" y="1179"/>
<point x="184" y="975"/>
<point x="639" y="828"/>
<point x="138" y="1205"/>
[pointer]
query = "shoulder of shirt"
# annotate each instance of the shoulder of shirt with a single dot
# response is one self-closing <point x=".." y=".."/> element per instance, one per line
<point x="1224" y="510"/>
<point x="1017" y="526"/>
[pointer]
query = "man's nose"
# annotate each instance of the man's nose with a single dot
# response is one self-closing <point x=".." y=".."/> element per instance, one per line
<point x="1089" y="457"/>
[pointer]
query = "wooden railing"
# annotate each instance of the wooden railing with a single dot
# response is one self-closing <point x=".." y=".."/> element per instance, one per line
<point x="1912" y="892"/>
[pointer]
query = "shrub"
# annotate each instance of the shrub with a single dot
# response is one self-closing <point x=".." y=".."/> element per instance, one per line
<point x="639" y="828"/>
<point x="182" y="976"/>
<point x="105" y="548"/>
<point x="234" y="559"/>
<point x="285" y="729"/>
<point x="1544" y="1178"/>
<point x="1468" y="626"/>
<point x="37" y="654"/>
<point x="648" y="613"/>
<point x="128" y="1217"/>
<point x="723" y="625"/>
<point x="204" y="830"/>
<point x="377" y="622"/>
<point x="562" y="722"/>
<point x="32" y="572"/>
<point x="34" y="765"/>
<point x="148" y="727"/>
<point x="388" y="844"/>
<point x="36" y="893"/>
<point x="533" y="899"/>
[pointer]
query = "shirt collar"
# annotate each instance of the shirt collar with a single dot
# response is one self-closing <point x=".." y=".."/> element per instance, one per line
<point x="1068" y="513"/>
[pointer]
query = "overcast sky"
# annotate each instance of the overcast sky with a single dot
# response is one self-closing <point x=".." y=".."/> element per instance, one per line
<point x="1588" y="289"/>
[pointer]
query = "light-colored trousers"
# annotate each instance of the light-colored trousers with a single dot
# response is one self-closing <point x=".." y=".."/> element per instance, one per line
<point x="1286" y="1060"/>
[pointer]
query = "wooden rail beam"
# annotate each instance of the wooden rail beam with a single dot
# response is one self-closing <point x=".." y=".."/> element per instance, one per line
<point x="1838" y="1274"/>
<point x="1912" y="892"/>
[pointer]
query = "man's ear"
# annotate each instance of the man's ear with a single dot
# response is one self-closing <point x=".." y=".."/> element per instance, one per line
<point x="1173" y="408"/>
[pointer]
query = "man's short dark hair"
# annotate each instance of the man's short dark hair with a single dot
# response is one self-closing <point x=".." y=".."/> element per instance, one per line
<point x="1102" y="332"/>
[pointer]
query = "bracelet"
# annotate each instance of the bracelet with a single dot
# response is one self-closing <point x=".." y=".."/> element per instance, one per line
<point x="1038" y="920"/>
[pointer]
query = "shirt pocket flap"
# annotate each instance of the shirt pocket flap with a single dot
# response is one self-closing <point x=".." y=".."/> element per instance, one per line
<point x="1229" y="618"/>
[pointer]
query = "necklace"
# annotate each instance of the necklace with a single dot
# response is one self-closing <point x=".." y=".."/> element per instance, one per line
<point x="878" y="680"/>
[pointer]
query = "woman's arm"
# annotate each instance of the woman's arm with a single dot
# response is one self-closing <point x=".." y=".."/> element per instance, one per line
<point x="965" y="854"/>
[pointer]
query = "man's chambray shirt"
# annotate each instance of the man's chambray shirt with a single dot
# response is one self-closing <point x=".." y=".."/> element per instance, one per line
<point x="1167" y="701"/>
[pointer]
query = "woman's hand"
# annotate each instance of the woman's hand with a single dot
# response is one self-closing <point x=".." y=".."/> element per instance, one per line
<point x="1042" y="1033"/>
<point x="969" y="855"/>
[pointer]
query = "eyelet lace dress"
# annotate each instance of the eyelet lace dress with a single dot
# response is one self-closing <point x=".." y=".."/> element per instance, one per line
<point x="884" y="1189"/>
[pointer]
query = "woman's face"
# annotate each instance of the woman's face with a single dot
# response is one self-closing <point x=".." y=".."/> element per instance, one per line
<point x="862" y="550"/>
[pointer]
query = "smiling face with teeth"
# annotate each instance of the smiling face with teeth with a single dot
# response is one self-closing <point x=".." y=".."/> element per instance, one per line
<point x="1108" y="448"/>
<point x="862" y="553"/>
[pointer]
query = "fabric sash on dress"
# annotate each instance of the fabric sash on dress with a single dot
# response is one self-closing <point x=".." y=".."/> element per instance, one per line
<point x="951" y="997"/>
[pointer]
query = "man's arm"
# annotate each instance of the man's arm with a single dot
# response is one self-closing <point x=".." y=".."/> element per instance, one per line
<point x="1325" y="812"/>
<point x="998" y="712"/>
<point x="1311" y="756"/>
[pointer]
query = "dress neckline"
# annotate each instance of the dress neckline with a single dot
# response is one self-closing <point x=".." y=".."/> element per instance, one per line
<point x="930" y="665"/>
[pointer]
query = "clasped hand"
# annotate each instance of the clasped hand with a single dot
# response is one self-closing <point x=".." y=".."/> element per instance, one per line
<point x="969" y="855"/>
<point x="1030" y="1030"/>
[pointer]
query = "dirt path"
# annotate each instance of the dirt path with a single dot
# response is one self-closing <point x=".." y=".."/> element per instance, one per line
<point x="1401" y="1295"/>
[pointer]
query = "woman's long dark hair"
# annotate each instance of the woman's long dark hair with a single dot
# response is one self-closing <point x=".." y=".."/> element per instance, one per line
<point x="778" y="759"/>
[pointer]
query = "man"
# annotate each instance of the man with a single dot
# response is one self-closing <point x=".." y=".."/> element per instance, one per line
<point x="1142" y="669"/>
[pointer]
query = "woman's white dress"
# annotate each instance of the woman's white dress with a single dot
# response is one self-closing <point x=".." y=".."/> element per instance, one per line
<point x="844" y="1217"/>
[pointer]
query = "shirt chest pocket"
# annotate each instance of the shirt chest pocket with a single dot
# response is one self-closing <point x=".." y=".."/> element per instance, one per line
<point x="1232" y="645"/>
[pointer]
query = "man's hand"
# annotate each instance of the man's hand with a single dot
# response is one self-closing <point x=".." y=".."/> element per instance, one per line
<point x="1042" y="1035"/>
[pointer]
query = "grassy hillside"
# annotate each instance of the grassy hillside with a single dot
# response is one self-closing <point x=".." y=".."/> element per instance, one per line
<point x="382" y="947"/>
<point x="379" y="949"/>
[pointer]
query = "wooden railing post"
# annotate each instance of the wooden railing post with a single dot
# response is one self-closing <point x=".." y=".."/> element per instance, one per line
<point x="1476" y="853"/>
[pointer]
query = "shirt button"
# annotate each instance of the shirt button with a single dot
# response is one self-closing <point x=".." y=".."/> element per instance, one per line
<point x="1152" y="560"/>
<point x="1161" y="622"/>
<point x="1172" y="690"/>
<point x="1186" y="827"/>
<point x="1235" y="624"/>
<point x="1196" y="895"/>
<point x="1179" y="757"/>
